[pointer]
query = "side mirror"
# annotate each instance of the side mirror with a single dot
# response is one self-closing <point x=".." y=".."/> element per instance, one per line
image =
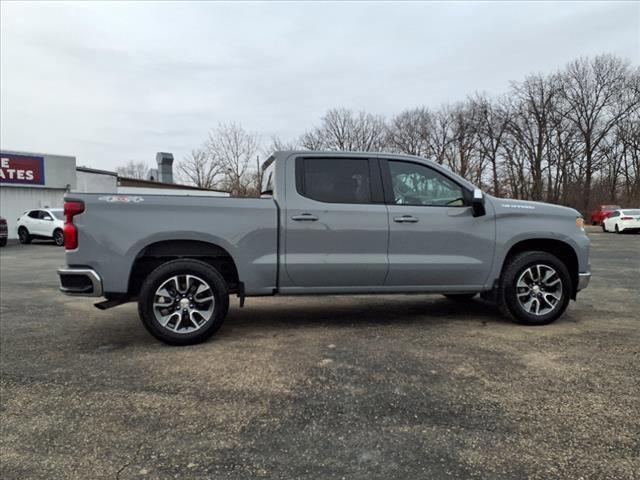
<point x="477" y="203"/>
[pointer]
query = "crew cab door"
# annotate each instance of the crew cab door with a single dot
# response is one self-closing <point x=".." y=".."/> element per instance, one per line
<point x="336" y="223"/>
<point x="434" y="239"/>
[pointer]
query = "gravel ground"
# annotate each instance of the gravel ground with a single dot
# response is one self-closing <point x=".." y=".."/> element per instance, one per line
<point x="322" y="387"/>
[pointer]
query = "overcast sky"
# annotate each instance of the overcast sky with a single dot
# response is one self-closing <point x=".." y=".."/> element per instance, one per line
<point x="112" y="82"/>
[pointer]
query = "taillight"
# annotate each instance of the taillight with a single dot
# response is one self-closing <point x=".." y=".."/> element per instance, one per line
<point x="626" y="218"/>
<point x="71" y="208"/>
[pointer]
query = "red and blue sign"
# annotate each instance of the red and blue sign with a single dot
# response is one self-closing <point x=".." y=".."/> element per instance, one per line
<point x="25" y="169"/>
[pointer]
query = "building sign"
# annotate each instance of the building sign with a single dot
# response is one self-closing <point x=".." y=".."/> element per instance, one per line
<point x="21" y="169"/>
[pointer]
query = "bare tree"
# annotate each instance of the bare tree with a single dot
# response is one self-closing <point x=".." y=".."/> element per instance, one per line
<point x="342" y="130"/>
<point x="599" y="95"/>
<point x="534" y="101"/>
<point x="490" y="123"/>
<point x="234" y="150"/>
<point x="133" y="169"/>
<point x="201" y="169"/>
<point x="408" y="132"/>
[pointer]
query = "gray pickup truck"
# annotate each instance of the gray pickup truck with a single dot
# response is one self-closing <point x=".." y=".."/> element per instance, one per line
<point x="327" y="223"/>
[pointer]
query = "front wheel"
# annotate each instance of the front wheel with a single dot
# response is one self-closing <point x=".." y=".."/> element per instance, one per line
<point x="58" y="237"/>
<point x="604" y="229"/>
<point x="617" y="229"/>
<point x="23" y="235"/>
<point x="183" y="302"/>
<point x="535" y="288"/>
<point x="3" y="242"/>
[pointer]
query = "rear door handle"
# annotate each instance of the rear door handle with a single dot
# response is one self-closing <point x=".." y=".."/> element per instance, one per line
<point x="406" y="219"/>
<point x="304" y="217"/>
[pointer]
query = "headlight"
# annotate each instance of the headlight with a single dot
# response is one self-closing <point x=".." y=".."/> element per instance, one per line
<point x="580" y="223"/>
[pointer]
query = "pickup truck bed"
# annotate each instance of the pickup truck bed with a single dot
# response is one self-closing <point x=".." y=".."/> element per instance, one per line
<point x="116" y="230"/>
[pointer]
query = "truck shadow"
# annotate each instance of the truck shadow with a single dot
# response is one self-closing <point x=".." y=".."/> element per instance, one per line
<point x="286" y="312"/>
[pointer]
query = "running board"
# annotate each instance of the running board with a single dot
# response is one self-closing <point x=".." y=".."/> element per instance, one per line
<point x="106" y="304"/>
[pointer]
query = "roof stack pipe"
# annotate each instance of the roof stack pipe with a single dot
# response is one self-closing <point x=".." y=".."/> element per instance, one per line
<point x="165" y="167"/>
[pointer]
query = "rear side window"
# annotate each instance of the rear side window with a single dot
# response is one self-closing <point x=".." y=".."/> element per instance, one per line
<point x="334" y="180"/>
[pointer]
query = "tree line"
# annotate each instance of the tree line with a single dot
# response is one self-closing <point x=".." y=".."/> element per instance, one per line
<point x="570" y="137"/>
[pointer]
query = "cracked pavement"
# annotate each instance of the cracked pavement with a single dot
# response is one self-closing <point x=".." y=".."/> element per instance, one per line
<point x="321" y="387"/>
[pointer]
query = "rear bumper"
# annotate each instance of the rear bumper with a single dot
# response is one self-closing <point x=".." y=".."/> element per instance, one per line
<point x="80" y="282"/>
<point x="583" y="280"/>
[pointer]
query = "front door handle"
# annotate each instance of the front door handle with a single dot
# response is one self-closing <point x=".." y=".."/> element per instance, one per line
<point x="406" y="219"/>
<point x="304" y="217"/>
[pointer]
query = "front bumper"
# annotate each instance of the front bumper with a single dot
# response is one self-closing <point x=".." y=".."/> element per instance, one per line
<point x="80" y="282"/>
<point x="583" y="280"/>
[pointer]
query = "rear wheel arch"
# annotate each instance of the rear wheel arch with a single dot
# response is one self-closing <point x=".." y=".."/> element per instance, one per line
<point x="158" y="253"/>
<point x="563" y="251"/>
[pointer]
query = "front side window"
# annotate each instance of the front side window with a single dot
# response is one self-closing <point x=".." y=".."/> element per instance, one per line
<point x="340" y="180"/>
<point x="415" y="184"/>
<point x="34" y="214"/>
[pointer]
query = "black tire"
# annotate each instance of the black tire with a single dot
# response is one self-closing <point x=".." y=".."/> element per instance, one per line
<point x="3" y="242"/>
<point x="460" y="297"/>
<point x="177" y="268"/>
<point x="58" y="237"/>
<point x="603" y="228"/>
<point x="23" y="236"/>
<point x="507" y="294"/>
<point x="617" y="229"/>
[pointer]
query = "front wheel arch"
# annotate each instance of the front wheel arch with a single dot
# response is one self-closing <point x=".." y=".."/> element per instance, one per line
<point x="559" y="249"/>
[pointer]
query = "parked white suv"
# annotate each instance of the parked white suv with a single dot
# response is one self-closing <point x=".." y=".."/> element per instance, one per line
<point x="46" y="223"/>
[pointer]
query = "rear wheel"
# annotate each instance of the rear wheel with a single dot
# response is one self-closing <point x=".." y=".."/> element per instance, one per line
<point x="460" y="296"/>
<point x="535" y="288"/>
<point x="3" y="242"/>
<point x="23" y="235"/>
<point x="58" y="237"/>
<point x="183" y="302"/>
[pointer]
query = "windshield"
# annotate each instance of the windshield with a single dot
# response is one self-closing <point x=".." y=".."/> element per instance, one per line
<point x="58" y="213"/>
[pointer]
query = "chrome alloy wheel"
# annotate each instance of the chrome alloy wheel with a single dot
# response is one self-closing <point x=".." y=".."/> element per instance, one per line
<point x="539" y="289"/>
<point x="183" y="303"/>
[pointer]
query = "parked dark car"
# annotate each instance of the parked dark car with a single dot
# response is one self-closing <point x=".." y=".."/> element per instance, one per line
<point x="602" y="212"/>
<point x="4" y="232"/>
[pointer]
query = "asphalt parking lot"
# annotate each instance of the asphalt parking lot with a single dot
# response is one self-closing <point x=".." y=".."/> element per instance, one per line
<point x="322" y="387"/>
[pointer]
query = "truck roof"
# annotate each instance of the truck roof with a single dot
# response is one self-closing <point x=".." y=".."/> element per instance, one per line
<point x="282" y="154"/>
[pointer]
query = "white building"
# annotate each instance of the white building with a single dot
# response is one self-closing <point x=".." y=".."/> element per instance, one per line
<point x="38" y="180"/>
<point x="33" y="180"/>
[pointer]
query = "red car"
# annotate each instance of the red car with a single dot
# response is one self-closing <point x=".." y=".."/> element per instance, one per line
<point x="603" y="211"/>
